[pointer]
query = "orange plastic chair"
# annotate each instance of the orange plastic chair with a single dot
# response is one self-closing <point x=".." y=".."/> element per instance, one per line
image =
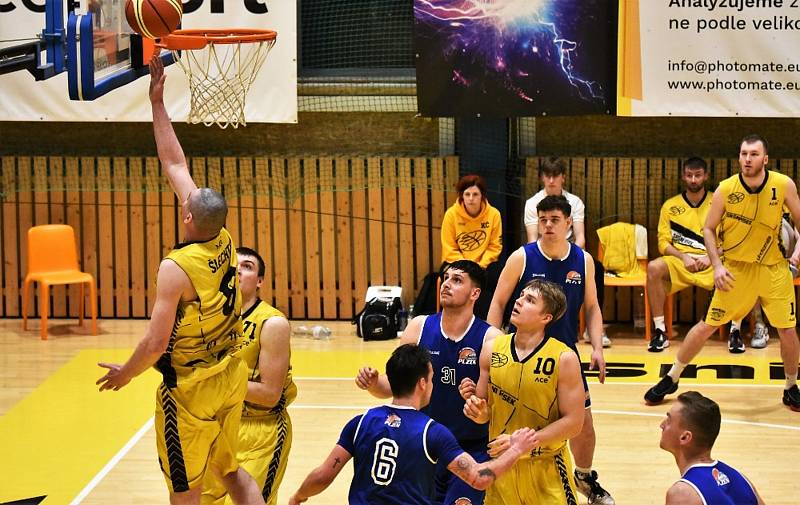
<point x="631" y="282"/>
<point x="53" y="260"/>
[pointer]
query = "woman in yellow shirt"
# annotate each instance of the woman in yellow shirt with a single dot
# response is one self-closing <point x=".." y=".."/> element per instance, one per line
<point x="473" y="230"/>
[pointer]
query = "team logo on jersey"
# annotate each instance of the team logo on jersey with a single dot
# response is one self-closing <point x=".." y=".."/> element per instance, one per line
<point x="735" y="198"/>
<point x="499" y="360"/>
<point x="471" y="240"/>
<point x="676" y="210"/>
<point x="462" y="501"/>
<point x="573" y="277"/>
<point x="392" y="421"/>
<point x="467" y="356"/>
<point x="720" y="477"/>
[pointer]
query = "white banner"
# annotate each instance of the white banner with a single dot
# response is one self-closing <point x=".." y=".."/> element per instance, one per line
<point x="711" y="58"/>
<point x="272" y="97"/>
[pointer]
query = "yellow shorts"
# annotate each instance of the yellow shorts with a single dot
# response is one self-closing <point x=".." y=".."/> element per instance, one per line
<point x="680" y="278"/>
<point x="752" y="281"/>
<point x="264" y="444"/>
<point x="197" y="426"/>
<point x="545" y="480"/>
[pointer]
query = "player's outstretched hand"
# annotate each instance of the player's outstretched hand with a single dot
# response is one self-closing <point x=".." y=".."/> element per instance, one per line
<point x="723" y="279"/>
<point x="157" y="78"/>
<point x="114" y="379"/>
<point x="367" y="378"/>
<point x="467" y="388"/>
<point x="477" y="409"/>
<point x="524" y="440"/>
<point x="499" y="445"/>
<point x="294" y="500"/>
<point x="598" y="363"/>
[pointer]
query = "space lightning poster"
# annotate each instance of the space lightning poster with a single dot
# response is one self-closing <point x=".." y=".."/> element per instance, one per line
<point x="507" y="58"/>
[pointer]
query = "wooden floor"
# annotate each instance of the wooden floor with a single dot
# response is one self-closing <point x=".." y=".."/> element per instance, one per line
<point x="64" y="440"/>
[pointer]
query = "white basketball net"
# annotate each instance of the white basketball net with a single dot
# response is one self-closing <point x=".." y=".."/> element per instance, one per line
<point x="220" y="75"/>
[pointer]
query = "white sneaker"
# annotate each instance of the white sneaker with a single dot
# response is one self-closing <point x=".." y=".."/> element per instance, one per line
<point x="760" y="337"/>
<point x="606" y="340"/>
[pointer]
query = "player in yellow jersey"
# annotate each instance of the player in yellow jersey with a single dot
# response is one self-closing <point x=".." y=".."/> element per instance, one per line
<point x="745" y="223"/>
<point x="680" y="240"/>
<point x="531" y="380"/>
<point x="193" y="330"/>
<point x="265" y="433"/>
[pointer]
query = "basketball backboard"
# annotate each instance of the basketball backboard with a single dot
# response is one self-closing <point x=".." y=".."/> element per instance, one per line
<point x="95" y="46"/>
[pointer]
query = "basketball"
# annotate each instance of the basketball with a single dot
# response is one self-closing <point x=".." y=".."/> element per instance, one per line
<point x="153" y="18"/>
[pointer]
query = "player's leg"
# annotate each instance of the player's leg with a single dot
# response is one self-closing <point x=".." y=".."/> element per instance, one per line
<point x="760" y="332"/>
<point x="725" y="306"/>
<point x="582" y="447"/>
<point x="780" y="307"/>
<point x="658" y="285"/>
<point x="240" y="485"/>
<point x="190" y="497"/>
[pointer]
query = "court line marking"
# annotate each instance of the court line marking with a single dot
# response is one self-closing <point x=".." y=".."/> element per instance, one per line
<point x="594" y="381"/>
<point x="599" y="411"/>
<point x="113" y="462"/>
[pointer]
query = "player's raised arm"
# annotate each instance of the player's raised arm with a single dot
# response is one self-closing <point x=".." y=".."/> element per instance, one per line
<point x="170" y="152"/>
<point x="377" y="384"/>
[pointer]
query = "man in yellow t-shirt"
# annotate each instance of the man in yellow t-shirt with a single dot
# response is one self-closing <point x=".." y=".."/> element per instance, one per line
<point x="745" y="224"/>
<point x="192" y="333"/>
<point x="265" y="433"/>
<point x="684" y="261"/>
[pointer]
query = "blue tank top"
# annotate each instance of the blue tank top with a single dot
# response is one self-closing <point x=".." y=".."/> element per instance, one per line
<point x="453" y="361"/>
<point x="719" y="484"/>
<point x="570" y="274"/>
<point x="395" y="450"/>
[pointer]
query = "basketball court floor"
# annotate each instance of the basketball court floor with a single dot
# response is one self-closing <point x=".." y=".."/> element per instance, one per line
<point x="64" y="442"/>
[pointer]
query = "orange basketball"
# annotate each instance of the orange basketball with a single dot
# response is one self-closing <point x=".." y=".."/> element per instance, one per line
<point x="153" y="18"/>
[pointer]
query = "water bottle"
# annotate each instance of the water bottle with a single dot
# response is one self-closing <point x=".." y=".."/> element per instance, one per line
<point x="320" y="333"/>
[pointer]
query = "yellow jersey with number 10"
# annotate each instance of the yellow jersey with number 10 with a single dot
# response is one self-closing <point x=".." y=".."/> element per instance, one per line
<point x="751" y="223"/>
<point x="250" y="350"/>
<point x="524" y="393"/>
<point x="207" y="328"/>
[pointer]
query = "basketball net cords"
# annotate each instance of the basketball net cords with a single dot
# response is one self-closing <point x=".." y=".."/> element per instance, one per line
<point x="219" y="83"/>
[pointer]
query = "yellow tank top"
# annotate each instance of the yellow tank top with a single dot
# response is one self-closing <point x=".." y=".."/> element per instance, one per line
<point x="751" y="224"/>
<point x="207" y="328"/>
<point x="250" y="350"/>
<point x="680" y="224"/>
<point x="524" y="393"/>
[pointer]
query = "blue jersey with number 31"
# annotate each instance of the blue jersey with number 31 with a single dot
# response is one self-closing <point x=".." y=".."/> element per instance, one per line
<point x="395" y="450"/>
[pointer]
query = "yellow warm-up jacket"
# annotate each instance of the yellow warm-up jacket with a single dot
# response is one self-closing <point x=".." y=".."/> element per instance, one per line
<point x="479" y="238"/>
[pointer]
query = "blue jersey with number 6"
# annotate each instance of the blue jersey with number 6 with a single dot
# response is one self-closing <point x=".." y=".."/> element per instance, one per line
<point x="395" y="450"/>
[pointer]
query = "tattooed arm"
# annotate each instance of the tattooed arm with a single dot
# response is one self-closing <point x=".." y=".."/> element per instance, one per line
<point x="322" y="476"/>
<point x="482" y="475"/>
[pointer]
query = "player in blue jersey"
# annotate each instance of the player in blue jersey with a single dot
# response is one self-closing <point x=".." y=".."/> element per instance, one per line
<point x="689" y="432"/>
<point x="454" y="338"/>
<point x="552" y="257"/>
<point x="396" y="447"/>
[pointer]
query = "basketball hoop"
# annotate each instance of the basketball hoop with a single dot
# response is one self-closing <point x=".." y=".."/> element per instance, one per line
<point x="221" y="64"/>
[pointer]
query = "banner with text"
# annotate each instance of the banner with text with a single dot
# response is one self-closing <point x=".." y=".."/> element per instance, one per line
<point x="710" y="58"/>
<point x="272" y="97"/>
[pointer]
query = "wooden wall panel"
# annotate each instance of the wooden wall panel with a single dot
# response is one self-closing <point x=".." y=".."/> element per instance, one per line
<point x="328" y="228"/>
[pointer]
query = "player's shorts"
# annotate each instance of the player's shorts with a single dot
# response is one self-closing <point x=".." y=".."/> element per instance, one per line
<point x="772" y="284"/>
<point x="451" y="490"/>
<point x="681" y="278"/>
<point x="588" y="401"/>
<point x="197" y="426"/>
<point x="264" y="444"/>
<point x="536" y="480"/>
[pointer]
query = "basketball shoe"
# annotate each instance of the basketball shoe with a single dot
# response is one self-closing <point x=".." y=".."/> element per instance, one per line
<point x="658" y="342"/>
<point x="588" y="486"/>
<point x="760" y="337"/>
<point x="735" y="342"/>
<point x="657" y="393"/>
<point x="791" y="398"/>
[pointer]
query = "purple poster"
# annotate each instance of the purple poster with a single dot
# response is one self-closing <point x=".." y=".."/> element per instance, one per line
<point x="508" y="58"/>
